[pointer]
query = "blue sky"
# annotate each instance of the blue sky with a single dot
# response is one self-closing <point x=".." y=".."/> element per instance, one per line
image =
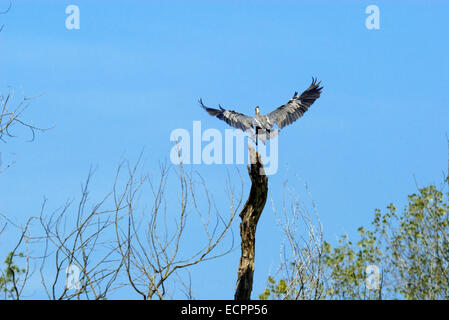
<point x="135" y="70"/>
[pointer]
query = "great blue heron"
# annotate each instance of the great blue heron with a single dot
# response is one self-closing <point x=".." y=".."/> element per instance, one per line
<point x="282" y="116"/>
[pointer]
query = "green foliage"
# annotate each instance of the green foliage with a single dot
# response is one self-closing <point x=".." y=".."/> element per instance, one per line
<point x="410" y="250"/>
<point x="419" y="247"/>
<point x="10" y="275"/>
<point x="346" y="266"/>
<point x="274" y="290"/>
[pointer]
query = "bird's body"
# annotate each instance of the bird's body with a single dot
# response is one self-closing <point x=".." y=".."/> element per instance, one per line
<point x="282" y="116"/>
<point x="262" y="126"/>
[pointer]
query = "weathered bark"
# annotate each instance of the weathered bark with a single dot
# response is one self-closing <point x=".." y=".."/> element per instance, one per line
<point x="250" y="216"/>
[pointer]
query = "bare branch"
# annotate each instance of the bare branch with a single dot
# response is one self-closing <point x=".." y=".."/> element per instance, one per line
<point x="11" y="117"/>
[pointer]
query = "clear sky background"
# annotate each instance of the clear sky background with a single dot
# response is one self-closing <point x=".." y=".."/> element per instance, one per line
<point x="135" y="70"/>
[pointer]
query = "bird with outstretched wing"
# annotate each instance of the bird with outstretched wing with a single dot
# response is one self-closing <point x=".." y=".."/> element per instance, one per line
<point x="282" y="116"/>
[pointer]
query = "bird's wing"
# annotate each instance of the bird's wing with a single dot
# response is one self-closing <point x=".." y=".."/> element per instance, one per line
<point x="297" y="106"/>
<point x="231" y="117"/>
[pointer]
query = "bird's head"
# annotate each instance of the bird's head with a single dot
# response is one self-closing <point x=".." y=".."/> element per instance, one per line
<point x="257" y="110"/>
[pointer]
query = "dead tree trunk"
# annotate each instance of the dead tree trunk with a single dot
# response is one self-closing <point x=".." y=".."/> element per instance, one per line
<point x="250" y="216"/>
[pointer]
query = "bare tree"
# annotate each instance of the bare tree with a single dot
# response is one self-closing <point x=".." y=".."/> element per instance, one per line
<point x="301" y="267"/>
<point x="152" y="257"/>
<point x="121" y="244"/>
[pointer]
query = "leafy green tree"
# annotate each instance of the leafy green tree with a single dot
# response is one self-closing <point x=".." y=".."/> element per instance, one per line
<point x="408" y="252"/>
<point x="419" y="246"/>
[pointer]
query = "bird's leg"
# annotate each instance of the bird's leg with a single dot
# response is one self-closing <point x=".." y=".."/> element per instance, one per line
<point x="257" y="135"/>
